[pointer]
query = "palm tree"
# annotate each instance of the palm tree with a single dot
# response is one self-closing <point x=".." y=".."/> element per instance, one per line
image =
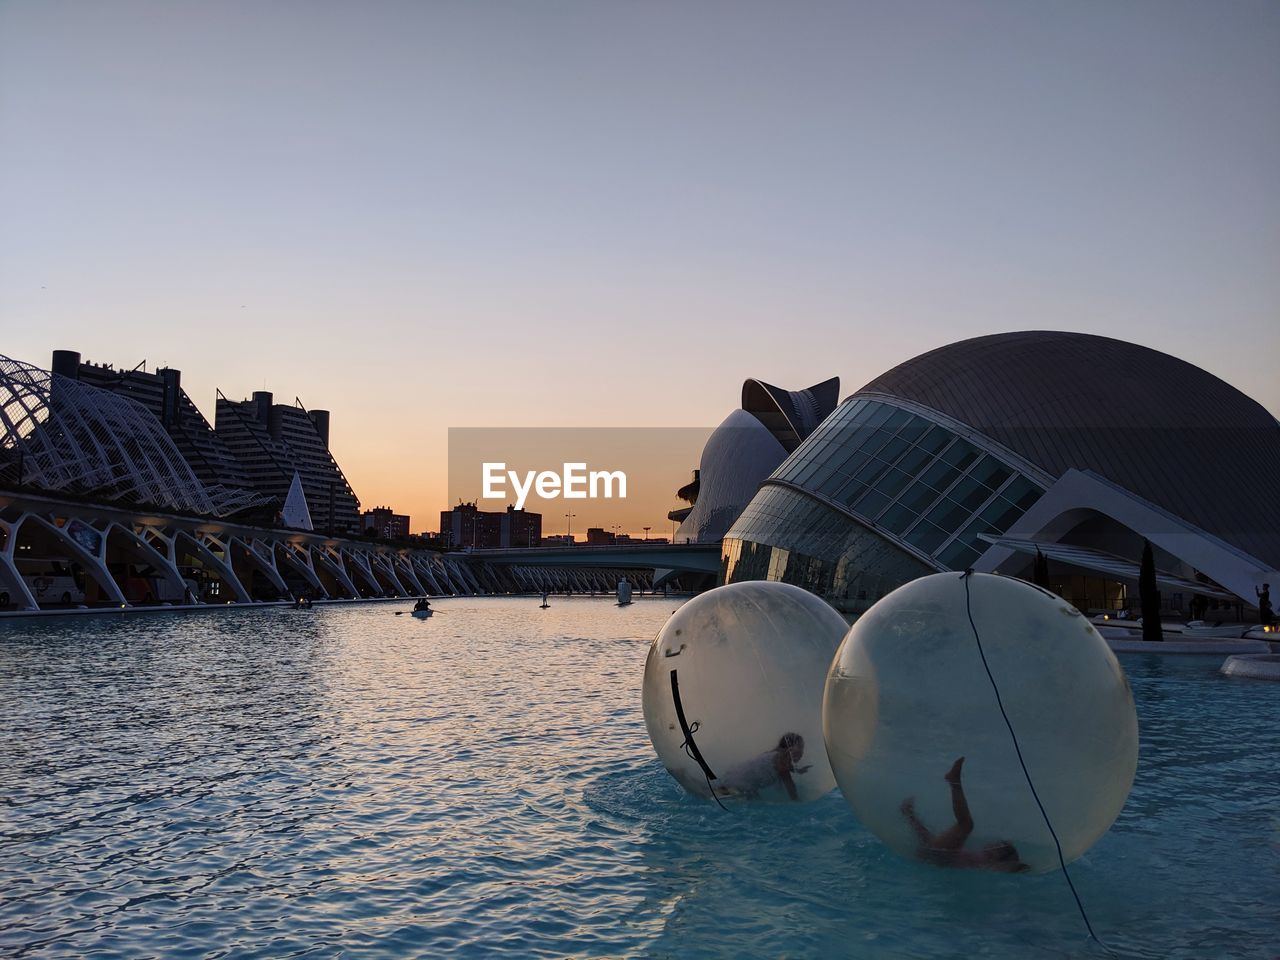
<point x="1149" y="596"/>
<point x="1040" y="572"/>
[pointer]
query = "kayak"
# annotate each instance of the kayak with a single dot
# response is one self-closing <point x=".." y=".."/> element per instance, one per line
<point x="422" y="614"/>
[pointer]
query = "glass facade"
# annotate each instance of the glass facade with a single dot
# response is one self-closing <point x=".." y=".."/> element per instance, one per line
<point x="788" y="536"/>
<point x="872" y="478"/>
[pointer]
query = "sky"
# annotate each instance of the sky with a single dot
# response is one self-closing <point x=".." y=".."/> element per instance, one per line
<point x="426" y="215"/>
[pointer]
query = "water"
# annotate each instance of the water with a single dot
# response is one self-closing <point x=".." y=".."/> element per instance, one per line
<point x="349" y="782"/>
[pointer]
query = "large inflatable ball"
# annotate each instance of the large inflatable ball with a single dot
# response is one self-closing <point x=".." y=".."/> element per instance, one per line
<point x="915" y="726"/>
<point x="733" y="692"/>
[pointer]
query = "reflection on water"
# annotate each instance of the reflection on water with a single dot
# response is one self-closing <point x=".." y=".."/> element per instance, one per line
<point x="278" y="782"/>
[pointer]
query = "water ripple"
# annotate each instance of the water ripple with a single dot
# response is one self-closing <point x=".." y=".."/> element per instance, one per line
<point x="271" y="783"/>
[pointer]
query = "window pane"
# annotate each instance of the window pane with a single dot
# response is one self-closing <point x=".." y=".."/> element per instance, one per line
<point x="913" y="460"/>
<point x="991" y="472"/>
<point x="969" y="493"/>
<point x="961" y="453"/>
<point x="897" y="518"/>
<point x="860" y="436"/>
<point x="880" y="440"/>
<point x="970" y="534"/>
<point x="877" y="413"/>
<point x="871" y="503"/>
<point x="959" y="556"/>
<point x="940" y="475"/>
<point x="831" y="484"/>
<point x="914" y="430"/>
<point x="893" y="482"/>
<point x="949" y="515"/>
<point x="935" y="439"/>
<point x="851" y="410"/>
<point x="851" y="493"/>
<point x="926" y="536"/>
<point x="871" y="472"/>
<point x="893" y="449"/>
<point x="1001" y="514"/>
<point x="806" y="474"/>
<point x="897" y="420"/>
<point x="1022" y="492"/>
<point x="919" y="497"/>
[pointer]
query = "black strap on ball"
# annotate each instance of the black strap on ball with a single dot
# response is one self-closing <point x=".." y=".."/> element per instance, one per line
<point x="1017" y="749"/>
<point x="690" y="746"/>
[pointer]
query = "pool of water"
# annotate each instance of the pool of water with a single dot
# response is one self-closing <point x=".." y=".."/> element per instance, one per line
<point x="281" y="783"/>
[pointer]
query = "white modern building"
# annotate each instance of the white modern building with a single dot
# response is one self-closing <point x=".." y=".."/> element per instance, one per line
<point x="745" y="449"/>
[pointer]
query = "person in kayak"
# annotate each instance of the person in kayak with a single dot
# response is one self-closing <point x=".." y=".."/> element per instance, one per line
<point x="946" y="849"/>
<point x="422" y="604"/>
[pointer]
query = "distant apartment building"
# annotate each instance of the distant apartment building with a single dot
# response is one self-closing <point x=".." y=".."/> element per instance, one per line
<point x="274" y="440"/>
<point x="468" y="526"/>
<point x="385" y="522"/>
<point x="161" y="393"/>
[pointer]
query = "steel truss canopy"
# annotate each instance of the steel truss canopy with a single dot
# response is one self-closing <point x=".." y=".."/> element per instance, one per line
<point x="62" y="435"/>
<point x="1107" y="563"/>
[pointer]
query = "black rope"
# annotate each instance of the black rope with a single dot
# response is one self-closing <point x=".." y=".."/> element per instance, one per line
<point x="690" y="746"/>
<point x="1026" y="773"/>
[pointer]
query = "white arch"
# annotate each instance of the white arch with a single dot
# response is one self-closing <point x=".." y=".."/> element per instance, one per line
<point x="401" y="563"/>
<point x="1080" y="490"/>
<point x="93" y="564"/>
<point x="295" y="560"/>
<point x="424" y="569"/>
<point x="334" y="566"/>
<point x="225" y="571"/>
<point x="353" y="560"/>
<point x="162" y="563"/>
<point x="384" y="564"/>
<point x="268" y="569"/>
<point x="12" y="581"/>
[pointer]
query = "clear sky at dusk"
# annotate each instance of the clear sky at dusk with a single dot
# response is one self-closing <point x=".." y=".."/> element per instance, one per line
<point x="423" y="215"/>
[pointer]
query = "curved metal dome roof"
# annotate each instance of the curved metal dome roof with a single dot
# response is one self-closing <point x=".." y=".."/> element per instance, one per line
<point x="1156" y="425"/>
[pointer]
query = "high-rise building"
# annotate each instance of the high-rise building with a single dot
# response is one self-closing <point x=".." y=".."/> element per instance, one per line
<point x="162" y="394"/>
<point x="272" y="441"/>
<point x="136" y="435"/>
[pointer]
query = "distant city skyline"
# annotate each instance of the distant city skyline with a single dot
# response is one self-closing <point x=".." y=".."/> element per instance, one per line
<point x="569" y="215"/>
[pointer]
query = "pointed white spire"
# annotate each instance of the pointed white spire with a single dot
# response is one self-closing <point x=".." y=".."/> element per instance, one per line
<point x="295" y="513"/>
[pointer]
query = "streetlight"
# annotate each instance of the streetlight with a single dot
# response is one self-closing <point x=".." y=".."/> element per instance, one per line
<point x="569" y="534"/>
<point x="646" y="534"/>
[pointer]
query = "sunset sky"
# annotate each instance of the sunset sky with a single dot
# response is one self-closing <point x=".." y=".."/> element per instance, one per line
<point x="430" y="215"/>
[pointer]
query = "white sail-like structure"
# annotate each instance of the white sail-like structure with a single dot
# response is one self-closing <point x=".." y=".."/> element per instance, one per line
<point x="295" y="513"/>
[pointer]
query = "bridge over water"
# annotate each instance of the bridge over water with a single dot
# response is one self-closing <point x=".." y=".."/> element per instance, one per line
<point x="57" y="553"/>
<point x="596" y="567"/>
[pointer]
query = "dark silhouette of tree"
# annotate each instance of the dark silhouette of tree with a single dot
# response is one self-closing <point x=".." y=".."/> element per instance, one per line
<point x="1149" y="595"/>
<point x="1040" y="574"/>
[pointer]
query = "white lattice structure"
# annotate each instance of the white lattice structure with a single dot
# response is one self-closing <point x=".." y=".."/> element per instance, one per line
<point x="61" y="435"/>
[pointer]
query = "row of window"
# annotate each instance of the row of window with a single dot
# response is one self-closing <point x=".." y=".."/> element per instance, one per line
<point x="788" y="536"/>
<point x="915" y="479"/>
